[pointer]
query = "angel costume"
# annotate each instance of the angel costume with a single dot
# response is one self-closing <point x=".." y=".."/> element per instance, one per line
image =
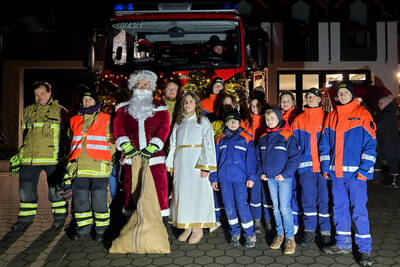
<point x="192" y="149"/>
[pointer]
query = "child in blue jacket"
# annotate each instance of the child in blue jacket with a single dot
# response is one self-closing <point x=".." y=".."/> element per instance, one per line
<point x="236" y="170"/>
<point x="278" y="157"/>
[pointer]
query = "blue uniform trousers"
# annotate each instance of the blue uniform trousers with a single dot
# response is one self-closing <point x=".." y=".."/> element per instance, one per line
<point x="218" y="206"/>
<point x="260" y="200"/>
<point x="234" y="196"/>
<point x="295" y="202"/>
<point x="351" y="194"/>
<point x="315" y="202"/>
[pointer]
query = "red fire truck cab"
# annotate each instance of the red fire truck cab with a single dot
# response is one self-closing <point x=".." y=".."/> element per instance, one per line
<point x="175" y="38"/>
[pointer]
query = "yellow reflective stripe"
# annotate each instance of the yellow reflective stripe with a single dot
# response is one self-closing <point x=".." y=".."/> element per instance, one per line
<point x="103" y="167"/>
<point x="64" y="210"/>
<point x="58" y="204"/>
<point x="27" y="212"/>
<point x="55" y="126"/>
<point x="101" y="215"/>
<point x="99" y="223"/>
<point x="28" y="205"/>
<point x="83" y="214"/>
<point x="90" y="172"/>
<point x="85" y="222"/>
<point x="38" y="124"/>
<point x="45" y="160"/>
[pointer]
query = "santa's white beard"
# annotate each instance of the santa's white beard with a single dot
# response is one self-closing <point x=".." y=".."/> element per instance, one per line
<point x="141" y="104"/>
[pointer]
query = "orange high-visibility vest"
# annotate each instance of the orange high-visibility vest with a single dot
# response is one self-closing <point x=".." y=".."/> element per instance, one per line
<point x="97" y="146"/>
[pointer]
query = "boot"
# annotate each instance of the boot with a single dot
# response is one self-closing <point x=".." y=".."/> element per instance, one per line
<point x="335" y="250"/>
<point x="99" y="238"/>
<point x="196" y="236"/>
<point x="234" y="241"/>
<point x="290" y="246"/>
<point x="58" y="224"/>
<point x="268" y="225"/>
<point x="20" y="226"/>
<point x="307" y="239"/>
<point x="257" y="226"/>
<point x="185" y="234"/>
<point x="326" y="240"/>
<point x="250" y="241"/>
<point x="365" y="259"/>
<point x="395" y="181"/>
<point x="277" y="243"/>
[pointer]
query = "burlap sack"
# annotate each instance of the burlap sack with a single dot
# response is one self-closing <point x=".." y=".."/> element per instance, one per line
<point x="145" y="231"/>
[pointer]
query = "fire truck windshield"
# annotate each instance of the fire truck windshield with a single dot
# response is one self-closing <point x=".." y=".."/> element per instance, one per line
<point x="174" y="44"/>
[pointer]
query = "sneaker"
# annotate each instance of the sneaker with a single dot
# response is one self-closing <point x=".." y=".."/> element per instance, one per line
<point x="307" y="239"/>
<point x="365" y="259"/>
<point x="20" y="226"/>
<point x="250" y="242"/>
<point x="234" y="241"/>
<point x="277" y="243"/>
<point x="290" y="246"/>
<point x="257" y="226"/>
<point x="217" y="225"/>
<point x="58" y="224"/>
<point x="334" y="250"/>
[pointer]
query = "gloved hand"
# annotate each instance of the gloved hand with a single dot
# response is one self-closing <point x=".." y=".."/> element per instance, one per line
<point x="65" y="188"/>
<point x="130" y="150"/>
<point x="15" y="164"/>
<point x="146" y="152"/>
<point x="71" y="169"/>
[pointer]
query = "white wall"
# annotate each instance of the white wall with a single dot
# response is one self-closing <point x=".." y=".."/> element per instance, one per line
<point x="384" y="70"/>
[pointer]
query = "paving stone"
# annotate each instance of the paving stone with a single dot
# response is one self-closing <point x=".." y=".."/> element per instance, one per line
<point x="325" y="260"/>
<point x="121" y="262"/>
<point x="244" y="260"/>
<point x="176" y="254"/>
<point x="162" y="261"/>
<point x="80" y="262"/>
<point x="265" y="260"/>
<point x="234" y="252"/>
<point x="346" y="260"/>
<point x="183" y="260"/>
<point x="100" y="262"/>
<point x="215" y="252"/>
<point x="142" y="261"/>
<point x="76" y="255"/>
<point x="204" y="260"/>
<point x="253" y="252"/>
<point x="384" y="260"/>
<point x="17" y="263"/>
<point x="195" y="253"/>
<point x="224" y="260"/>
<point x="285" y="259"/>
<point x="96" y="255"/>
<point x="206" y="246"/>
<point x="213" y="265"/>
<point x="304" y="260"/>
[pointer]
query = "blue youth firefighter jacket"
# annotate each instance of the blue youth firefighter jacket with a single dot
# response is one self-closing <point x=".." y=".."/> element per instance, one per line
<point x="348" y="143"/>
<point x="236" y="161"/>
<point x="277" y="153"/>
<point x="307" y="127"/>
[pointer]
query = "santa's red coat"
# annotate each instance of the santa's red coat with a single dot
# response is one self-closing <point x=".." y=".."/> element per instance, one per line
<point x="140" y="133"/>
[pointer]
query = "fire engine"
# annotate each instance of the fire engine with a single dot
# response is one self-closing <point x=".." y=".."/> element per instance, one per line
<point x="175" y="38"/>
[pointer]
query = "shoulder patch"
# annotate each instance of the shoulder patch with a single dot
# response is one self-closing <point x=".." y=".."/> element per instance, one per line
<point x="286" y="134"/>
<point x="246" y="136"/>
<point x="219" y="138"/>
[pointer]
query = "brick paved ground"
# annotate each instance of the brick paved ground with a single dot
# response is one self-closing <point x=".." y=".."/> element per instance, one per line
<point x="42" y="246"/>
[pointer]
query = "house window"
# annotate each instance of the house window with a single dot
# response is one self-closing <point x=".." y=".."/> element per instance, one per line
<point x="358" y="34"/>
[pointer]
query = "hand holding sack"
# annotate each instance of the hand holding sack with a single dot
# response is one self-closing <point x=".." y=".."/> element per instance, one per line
<point x="130" y="150"/>
<point x="15" y="164"/>
<point x="146" y="152"/>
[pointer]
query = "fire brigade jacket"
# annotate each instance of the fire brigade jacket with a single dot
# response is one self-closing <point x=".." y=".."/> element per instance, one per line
<point x="307" y="127"/>
<point x="42" y="130"/>
<point x="235" y="158"/>
<point x="348" y="143"/>
<point x="277" y="153"/>
<point x="90" y="145"/>
<point x="256" y="127"/>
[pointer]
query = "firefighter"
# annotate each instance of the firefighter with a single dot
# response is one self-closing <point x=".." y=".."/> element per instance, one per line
<point x="89" y="166"/>
<point x="42" y="125"/>
<point x="347" y="156"/>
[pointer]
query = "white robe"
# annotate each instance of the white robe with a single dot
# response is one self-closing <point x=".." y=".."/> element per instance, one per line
<point x="192" y="148"/>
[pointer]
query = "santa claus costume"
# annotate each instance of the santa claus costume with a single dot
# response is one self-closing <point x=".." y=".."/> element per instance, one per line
<point x="144" y="122"/>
